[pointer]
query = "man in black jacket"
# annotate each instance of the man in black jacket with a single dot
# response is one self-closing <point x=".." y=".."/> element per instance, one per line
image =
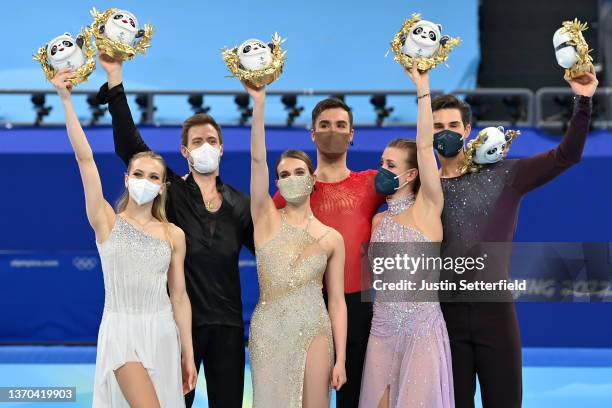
<point x="217" y="222"/>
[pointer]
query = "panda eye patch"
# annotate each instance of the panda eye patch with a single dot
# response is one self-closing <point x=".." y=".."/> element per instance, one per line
<point x="261" y="45"/>
<point x="132" y="23"/>
<point x="67" y="43"/>
<point x="54" y="50"/>
<point x="492" y="151"/>
<point x="432" y="36"/>
<point x="246" y="49"/>
<point x="118" y="16"/>
<point x="418" y="30"/>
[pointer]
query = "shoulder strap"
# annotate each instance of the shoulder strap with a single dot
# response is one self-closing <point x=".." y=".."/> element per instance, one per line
<point x="310" y="217"/>
<point x="323" y="235"/>
<point x="168" y="236"/>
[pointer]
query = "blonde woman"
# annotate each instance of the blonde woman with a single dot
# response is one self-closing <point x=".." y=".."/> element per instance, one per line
<point x="143" y="358"/>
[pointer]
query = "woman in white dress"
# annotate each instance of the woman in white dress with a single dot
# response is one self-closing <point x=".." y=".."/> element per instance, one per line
<point x="143" y="358"/>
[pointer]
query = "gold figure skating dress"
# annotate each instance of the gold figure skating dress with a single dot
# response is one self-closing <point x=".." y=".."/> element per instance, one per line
<point x="289" y="315"/>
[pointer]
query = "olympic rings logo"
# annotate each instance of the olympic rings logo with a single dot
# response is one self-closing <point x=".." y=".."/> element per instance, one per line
<point x="85" y="263"/>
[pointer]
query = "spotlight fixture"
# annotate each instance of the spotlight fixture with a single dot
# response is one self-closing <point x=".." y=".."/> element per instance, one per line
<point x="479" y="108"/>
<point x="565" y="105"/>
<point x="338" y="96"/>
<point x="516" y="108"/>
<point x="39" y="99"/>
<point x="293" y="111"/>
<point x="196" y="101"/>
<point x="379" y="101"/>
<point x="97" y="111"/>
<point x="243" y="102"/>
<point x="146" y="107"/>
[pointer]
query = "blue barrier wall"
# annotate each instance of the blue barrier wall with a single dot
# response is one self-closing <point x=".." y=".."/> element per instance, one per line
<point x="51" y="289"/>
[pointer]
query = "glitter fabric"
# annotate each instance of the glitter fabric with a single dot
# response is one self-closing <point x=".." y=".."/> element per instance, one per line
<point x="483" y="206"/>
<point x="396" y="206"/>
<point x="408" y="349"/>
<point x="135" y="266"/>
<point x="137" y="323"/>
<point x="295" y="189"/>
<point x="289" y="315"/>
<point x="469" y="200"/>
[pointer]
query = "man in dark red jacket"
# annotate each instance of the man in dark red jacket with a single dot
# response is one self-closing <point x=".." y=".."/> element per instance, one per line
<point x="483" y="207"/>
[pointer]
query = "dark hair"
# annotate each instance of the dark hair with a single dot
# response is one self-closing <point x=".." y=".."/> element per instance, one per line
<point x="452" y="102"/>
<point x="197" y="120"/>
<point x="330" y="103"/>
<point x="411" y="148"/>
<point x="296" y="154"/>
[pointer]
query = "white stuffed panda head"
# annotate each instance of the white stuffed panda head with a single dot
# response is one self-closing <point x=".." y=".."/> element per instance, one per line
<point x="423" y="39"/>
<point x="493" y="146"/>
<point x="565" y="53"/>
<point x="254" y="54"/>
<point x="121" y="26"/>
<point x="64" y="52"/>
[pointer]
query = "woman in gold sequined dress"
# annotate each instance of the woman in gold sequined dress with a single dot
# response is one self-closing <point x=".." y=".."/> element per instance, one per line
<point x="292" y="335"/>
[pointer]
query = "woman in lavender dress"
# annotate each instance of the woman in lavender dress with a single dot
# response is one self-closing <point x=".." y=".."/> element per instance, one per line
<point x="408" y="360"/>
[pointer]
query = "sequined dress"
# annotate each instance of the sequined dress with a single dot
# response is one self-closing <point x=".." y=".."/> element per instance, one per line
<point x="289" y="315"/>
<point x="137" y="322"/>
<point x="408" y="349"/>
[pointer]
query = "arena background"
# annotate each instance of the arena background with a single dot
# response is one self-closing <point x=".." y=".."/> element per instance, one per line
<point x="51" y="289"/>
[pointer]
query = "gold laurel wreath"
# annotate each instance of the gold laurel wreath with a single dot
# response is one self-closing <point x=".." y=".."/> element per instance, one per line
<point x="574" y="29"/>
<point x="423" y="63"/>
<point x="468" y="164"/>
<point x="258" y="77"/>
<point x="83" y="72"/>
<point x="116" y="49"/>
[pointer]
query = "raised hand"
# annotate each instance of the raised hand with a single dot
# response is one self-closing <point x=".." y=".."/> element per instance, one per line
<point x="113" y="69"/>
<point x="62" y="81"/>
<point x="584" y="85"/>
<point x="419" y="78"/>
<point x="258" y="94"/>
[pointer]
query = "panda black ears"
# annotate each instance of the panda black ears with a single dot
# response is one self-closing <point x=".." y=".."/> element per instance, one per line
<point x="271" y="45"/>
<point x="439" y="27"/>
<point x="501" y="129"/>
<point x="140" y="33"/>
<point x="444" y="39"/>
<point x="79" y="41"/>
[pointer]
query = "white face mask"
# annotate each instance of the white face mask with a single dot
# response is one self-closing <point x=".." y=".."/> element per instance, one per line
<point x="143" y="191"/>
<point x="205" y="159"/>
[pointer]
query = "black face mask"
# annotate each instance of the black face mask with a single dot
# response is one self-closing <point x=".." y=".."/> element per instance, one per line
<point x="448" y="143"/>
